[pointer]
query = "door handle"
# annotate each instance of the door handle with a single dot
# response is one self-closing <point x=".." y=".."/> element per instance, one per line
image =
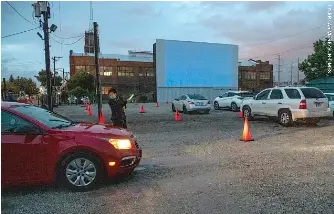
<point x="279" y="103"/>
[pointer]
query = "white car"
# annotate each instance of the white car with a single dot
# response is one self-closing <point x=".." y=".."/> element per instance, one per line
<point x="231" y="99"/>
<point x="330" y="97"/>
<point x="288" y="104"/>
<point x="191" y="103"/>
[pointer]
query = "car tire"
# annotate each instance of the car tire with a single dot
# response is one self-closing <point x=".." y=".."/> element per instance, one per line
<point x="184" y="110"/>
<point x="247" y="112"/>
<point x="216" y="105"/>
<point x="173" y="108"/>
<point x="207" y="112"/>
<point x="234" y="107"/>
<point x="285" y="117"/>
<point x="74" y="171"/>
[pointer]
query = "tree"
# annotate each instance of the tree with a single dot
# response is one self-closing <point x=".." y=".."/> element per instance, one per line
<point x="41" y="77"/>
<point x="11" y="78"/>
<point x="78" y="92"/>
<point x="316" y="65"/>
<point x="22" y="83"/>
<point x="83" y="80"/>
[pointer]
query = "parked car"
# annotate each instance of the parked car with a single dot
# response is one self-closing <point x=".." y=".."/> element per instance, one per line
<point x="330" y="97"/>
<point x="231" y="99"/>
<point x="39" y="146"/>
<point x="288" y="104"/>
<point x="191" y="103"/>
<point x="84" y="100"/>
<point x="72" y="100"/>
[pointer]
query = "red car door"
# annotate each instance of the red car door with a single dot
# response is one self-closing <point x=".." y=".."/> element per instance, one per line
<point x="23" y="152"/>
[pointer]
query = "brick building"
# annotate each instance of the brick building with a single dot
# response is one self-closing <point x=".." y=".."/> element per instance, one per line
<point x="255" y="77"/>
<point x="130" y="74"/>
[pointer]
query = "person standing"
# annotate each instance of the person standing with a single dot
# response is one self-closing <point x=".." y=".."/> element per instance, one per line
<point x="117" y="106"/>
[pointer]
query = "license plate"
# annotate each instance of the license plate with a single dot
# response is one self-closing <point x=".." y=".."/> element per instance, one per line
<point x="317" y="104"/>
<point x="199" y="104"/>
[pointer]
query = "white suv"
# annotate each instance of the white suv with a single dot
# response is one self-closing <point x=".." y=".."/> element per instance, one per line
<point x="231" y="99"/>
<point x="288" y="104"/>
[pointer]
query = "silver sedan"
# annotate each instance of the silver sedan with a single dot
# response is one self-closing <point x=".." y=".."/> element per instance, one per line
<point x="191" y="103"/>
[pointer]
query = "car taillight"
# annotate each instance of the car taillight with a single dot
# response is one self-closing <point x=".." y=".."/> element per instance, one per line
<point x="190" y="102"/>
<point x="302" y="104"/>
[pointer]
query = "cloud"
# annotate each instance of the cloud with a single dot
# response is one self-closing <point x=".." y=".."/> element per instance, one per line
<point x="263" y="6"/>
<point x="142" y="10"/>
<point x="9" y="48"/>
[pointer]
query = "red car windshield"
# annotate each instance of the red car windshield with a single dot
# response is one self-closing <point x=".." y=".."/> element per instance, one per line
<point x="50" y="119"/>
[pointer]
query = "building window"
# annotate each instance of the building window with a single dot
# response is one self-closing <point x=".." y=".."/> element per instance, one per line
<point x="250" y="75"/>
<point x="107" y="73"/>
<point x="90" y="69"/>
<point x="80" y="68"/>
<point x="148" y="72"/>
<point x="125" y="71"/>
<point x="265" y="76"/>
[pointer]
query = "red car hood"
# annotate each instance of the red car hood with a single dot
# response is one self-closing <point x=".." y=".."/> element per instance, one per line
<point x="89" y="128"/>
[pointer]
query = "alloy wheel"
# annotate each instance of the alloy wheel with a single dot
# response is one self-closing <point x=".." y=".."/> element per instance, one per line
<point x="285" y="118"/>
<point x="81" y="172"/>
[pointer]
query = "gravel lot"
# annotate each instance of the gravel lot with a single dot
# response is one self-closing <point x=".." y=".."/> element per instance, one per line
<point x="198" y="165"/>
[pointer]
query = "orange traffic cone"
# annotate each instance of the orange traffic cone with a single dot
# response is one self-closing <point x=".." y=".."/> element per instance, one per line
<point x="141" y="109"/>
<point x="177" y="116"/>
<point x="101" y="118"/>
<point x="157" y="105"/>
<point x="246" y="135"/>
<point x="89" y="111"/>
<point x="241" y="115"/>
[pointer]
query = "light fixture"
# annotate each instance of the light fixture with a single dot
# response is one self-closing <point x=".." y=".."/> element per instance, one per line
<point x="40" y="35"/>
<point x="53" y="28"/>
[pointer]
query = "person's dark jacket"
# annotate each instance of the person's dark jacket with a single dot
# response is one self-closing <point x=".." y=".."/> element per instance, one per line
<point x="117" y="113"/>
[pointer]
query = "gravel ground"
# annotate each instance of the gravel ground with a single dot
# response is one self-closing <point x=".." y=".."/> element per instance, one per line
<point x="198" y="165"/>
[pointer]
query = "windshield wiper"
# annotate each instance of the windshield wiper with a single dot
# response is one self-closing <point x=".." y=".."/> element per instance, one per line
<point x="59" y="120"/>
<point x="64" y="125"/>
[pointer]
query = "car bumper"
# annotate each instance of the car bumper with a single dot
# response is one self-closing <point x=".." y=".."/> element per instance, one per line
<point x="123" y="165"/>
<point x="198" y="108"/>
<point x="302" y="114"/>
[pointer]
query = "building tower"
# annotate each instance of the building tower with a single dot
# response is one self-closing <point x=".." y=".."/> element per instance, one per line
<point x="89" y="35"/>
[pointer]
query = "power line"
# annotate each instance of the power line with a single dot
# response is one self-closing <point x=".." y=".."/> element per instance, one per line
<point x="286" y="36"/>
<point x="290" y="50"/>
<point x="14" y="34"/>
<point x="20" y="13"/>
<point x="68" y="43"/>
<point x="72" y="37"/>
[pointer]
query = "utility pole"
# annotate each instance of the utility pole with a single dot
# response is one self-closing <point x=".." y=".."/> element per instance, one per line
<point x="4" y="89"/>
<point x="291" y="75"/>
<point x="54" y="68"/>
<point x="47" y="55"/>
<point x="279" y="70"/>
<point x="97" y="67"/>
<point x="298" y="72"/>
<point x="63" y="75"/>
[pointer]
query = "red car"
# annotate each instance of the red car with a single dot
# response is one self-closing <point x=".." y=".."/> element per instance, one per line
<point x="39" y="146"/>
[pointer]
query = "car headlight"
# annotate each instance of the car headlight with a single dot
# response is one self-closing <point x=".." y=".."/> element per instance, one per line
<point x="121" y="143"/>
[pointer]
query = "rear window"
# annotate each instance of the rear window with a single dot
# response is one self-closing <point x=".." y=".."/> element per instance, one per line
<point x="330" y="97"/>
<point x="312" y="93"/>
<point x="292" y="93"/>
<point x="196" y="97"/>
<point x="246" y="94"/>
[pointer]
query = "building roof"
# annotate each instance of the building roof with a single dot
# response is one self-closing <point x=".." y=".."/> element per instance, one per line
<point x="131" y="58"/>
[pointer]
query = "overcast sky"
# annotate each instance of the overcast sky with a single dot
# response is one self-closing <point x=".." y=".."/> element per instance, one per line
<point x="255" y="26"/>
